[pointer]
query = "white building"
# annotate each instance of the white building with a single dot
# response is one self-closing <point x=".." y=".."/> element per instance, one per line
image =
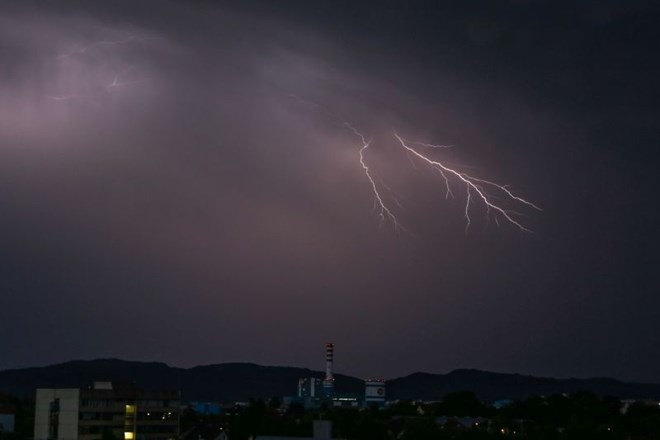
<point x="374" y="393"/>
<point x="56" y="414"/>
<point x="106" y="410"/>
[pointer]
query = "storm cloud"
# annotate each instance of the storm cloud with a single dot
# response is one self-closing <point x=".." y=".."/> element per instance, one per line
<point x="177" y="184"/>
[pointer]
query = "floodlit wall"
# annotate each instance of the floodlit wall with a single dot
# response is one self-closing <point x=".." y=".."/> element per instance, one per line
<point x="56" y="406"/>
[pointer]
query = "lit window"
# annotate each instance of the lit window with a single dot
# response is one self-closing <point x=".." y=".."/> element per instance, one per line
<point x="128" y="436"/>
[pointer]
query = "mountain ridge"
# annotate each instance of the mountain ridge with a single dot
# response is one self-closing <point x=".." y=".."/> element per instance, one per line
<point x="241" y="381"/>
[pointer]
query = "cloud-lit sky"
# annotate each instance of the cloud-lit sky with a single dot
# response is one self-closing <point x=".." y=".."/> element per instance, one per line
<point x="176" y="184"/>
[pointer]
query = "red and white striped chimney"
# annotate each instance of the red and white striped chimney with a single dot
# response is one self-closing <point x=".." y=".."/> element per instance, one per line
<point x="329" y="356"/>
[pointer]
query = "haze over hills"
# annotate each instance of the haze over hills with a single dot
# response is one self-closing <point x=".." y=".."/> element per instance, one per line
<point x="231" y="382"/>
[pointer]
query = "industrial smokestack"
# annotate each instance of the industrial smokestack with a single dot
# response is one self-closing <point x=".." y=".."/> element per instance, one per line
<point x="329" y="356"/>
<point x="329" y="381"/>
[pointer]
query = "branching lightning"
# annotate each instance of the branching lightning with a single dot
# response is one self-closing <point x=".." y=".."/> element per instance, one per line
<point x="474" y="186"/>
<point x="493" y="197"/>
<point x="384" y="212"/>
<point x="78" y="56"/>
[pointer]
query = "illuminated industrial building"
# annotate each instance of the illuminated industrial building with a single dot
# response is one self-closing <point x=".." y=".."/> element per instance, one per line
<point x="314" y="392"/>
<point x="374" y="393"/>
<point x="106" y="411"/>
<point x="310" y="387"/>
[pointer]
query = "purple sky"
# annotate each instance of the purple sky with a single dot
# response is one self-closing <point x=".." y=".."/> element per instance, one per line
<point x="176" y="184"/>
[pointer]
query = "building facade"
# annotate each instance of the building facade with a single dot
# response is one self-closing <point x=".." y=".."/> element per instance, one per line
<point x="106" y="411"/>
<point x="374" y="393"/>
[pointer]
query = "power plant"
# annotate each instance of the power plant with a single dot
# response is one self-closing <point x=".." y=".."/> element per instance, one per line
<point x="314" y="392"/>
<point x="329" y="381"/>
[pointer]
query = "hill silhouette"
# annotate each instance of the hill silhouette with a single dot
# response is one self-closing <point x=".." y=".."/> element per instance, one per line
<point x="232" y="382"/>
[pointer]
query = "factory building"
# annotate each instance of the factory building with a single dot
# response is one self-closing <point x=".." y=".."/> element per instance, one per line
<point x="314" y="392"/>
<point x="374" y="393"/>
<point x="310" y="387"/>
<point x="346" y="401"/>
<point x="106" y="410"/>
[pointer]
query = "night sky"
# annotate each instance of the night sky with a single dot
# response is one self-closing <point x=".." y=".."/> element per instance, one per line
<point x="177" y="184"/>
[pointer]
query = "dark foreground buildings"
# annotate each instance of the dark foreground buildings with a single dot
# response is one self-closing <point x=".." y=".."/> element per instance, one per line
<point x="106" y="411"/>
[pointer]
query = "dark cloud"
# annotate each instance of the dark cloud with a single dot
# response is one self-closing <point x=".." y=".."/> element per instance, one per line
<point x="176" y="183"/>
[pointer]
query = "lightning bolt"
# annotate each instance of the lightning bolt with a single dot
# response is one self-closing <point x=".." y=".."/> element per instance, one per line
<point x="105" y="43"/>
<point x="424" y="144"/>
<point x="84" y="49"/>
<point x="117" y="81"/>
<point x="477" y="191"/>
<point x="384" y="213"/>
<point x="476" y="188"/>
